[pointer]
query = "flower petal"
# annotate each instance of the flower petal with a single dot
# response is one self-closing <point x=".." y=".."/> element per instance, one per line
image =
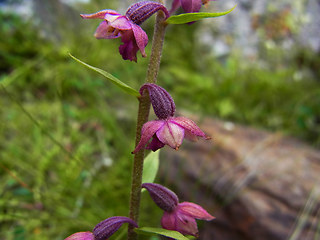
<point x="194" y="210"/>
<point x="81" y="236"/>
<point x="141" y="38"/>
<point x="171" y="134"/>
<point x="119" y="22"/>
<point x="190" y="126"/>
<point x="99" y="15"/>
<point x="190" y="6"/>
<point x="105" y="31"/>
<point x="148" y="130"/>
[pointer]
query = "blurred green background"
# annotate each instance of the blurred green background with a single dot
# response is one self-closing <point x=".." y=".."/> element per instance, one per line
<point x="67" y="133"/>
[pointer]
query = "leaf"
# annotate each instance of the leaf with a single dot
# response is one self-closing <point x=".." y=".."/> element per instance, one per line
<point x="111" y="78"/>
<point x="191" y="17"/>
<point x="150" y="167"/>
<point x="161" y="231"/>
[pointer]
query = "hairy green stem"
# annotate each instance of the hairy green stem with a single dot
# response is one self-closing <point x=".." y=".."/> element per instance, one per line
<point x="143" y="114"/>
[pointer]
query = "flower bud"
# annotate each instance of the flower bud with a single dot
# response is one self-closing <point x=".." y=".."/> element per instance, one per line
<point x="141" y="11"/>
<point x="162" y="103"/>
<point x="162" y="196"/>
<point x="109" y="226"/>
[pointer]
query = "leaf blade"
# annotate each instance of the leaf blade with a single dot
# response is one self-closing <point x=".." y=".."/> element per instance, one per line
<point x="150" y="167"/>
<point x="126" y="88"/>
<point x="161" y="231"/>
<point x="191" y="17"/>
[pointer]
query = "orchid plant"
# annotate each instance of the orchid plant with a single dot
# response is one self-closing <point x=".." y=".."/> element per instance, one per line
<point x="179" y="218"/>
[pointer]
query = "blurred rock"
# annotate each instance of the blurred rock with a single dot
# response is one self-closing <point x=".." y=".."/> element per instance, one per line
<point x="258" y="185"/>
<point x="287" y="24"/>
<point x="20" y="7"/>
<point x="54" y="18"/>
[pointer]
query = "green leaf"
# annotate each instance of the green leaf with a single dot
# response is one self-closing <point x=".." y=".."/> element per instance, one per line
<point x="111" y="78"/>
<point x="161" y="231"/>
<point x="191" y="17"/>
<point x="150" y="167"/>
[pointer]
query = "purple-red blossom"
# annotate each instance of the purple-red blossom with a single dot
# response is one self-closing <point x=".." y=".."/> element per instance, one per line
<point x="170" y="131"/>
<point x="103" y="230"/>
<point x="115" y="25"/>
<point x="167" y="130"/>
<point x="189" y="6"/>
<point x="177" y="216"/>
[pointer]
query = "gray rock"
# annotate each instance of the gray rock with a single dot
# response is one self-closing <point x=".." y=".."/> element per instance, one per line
<point x="258" y="185"/>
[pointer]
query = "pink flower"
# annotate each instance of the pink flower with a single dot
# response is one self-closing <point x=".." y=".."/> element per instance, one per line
<point x="177" y="216"/>
<point x="127" y="27"/>
<point x="114" y="26"/>
<point x="170" y="131"/>
<point x="167" y="130"/>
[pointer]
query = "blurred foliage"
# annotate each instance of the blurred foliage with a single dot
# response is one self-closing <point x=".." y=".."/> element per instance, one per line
<point x="66" y="133"/>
